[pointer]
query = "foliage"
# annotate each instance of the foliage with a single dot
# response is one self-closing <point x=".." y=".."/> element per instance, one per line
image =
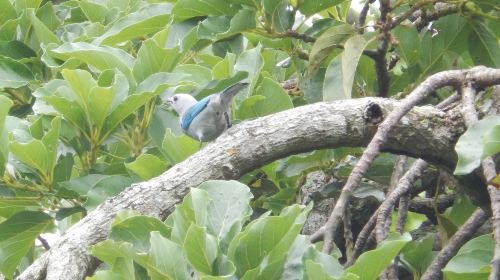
<point x="82" y="85"/>
<point x="208" y="236"/>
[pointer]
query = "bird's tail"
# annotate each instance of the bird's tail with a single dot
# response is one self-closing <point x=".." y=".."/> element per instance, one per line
<point x="228" y="93"/>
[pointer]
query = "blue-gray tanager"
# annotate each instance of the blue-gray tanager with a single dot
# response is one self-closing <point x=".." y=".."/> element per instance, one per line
<point x="206" y="119"/>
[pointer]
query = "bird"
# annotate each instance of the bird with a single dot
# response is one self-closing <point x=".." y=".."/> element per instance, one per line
<point x="206" y="119"/>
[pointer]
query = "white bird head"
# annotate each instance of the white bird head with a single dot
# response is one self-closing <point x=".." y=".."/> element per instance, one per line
<point x="181" y="102"/>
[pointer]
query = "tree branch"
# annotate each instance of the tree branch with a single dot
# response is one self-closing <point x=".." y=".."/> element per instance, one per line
<point x="482" y="75"/>
<point x="463" y="235"/>
<point x="470" y="116"/>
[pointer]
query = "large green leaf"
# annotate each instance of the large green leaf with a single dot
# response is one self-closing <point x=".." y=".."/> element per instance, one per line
<point x="43" y="33"/>
<point x="93" y="11"/>
<point x="201" y="248"/>
<point x="339" y="76"/>
<point x="178" y="148"/>
<point x="100" y="57"/>
<point x="473" y="260"/>
<point x="409" y="44"/>
<point x="50" y="141"/>
<point x="470" y="146"/>
<point x="16" y="50"/>
<point x="192" y="210"/>
<point x="310" y="7"/>
<point x="265" y="242"/>
<point x="148" y="20"/>
<point x="228" y="210"/>
<point x="165" y="260"/>
<point x="17" y="236"/>
<point x="7" y="12"/>
<point x="5" y="105"/>
<point x="325" y="43"/>
<point x="152" y="58"/>
<point x="34" y="154"/>
<point x="418" y="255"/>
<point x="137" y="230"/>
<point x="366" y="268"/>
<point x="276" y="98"/>
<point x="10" y="206"/>
<point x="119" y="255"/>
<point x="147" y="166"/>
<point x="483" y="45"/>
<point x="14" y="74"/>
<point x="125" y="109"/>
<point x="185" y="9"/>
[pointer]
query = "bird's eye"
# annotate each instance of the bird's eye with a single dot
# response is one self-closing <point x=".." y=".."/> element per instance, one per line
<point x="175" y="98"/>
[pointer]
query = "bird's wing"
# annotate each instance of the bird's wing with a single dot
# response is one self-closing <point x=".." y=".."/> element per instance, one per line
<point x="194" y="111"/>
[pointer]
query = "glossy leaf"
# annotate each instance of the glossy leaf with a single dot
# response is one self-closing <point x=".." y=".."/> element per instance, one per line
<point x="178" y="148"/>
<point x="483" y="45"/>
<point x="148" y="20"/>
<point x="311" y="7"/>
<point x="137" y="230"/>
<point x="339" y="76"/>
<point x="200" y="248"/>
<point x="5" y="105"/>
<point x="13" y="74"/>
<point x="470" y="146"/>
<point x="276" y="98"/>
<point x="17" y="236"/>
<point x="325" y="43"/>
<point x="367" y="269"/>
<point x="473" y="260"/>
<point x="185" y="9"/>
<point x="147" y="166"/>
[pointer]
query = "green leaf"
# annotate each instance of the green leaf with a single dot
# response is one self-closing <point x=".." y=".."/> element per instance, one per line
<point x="14" y="74"/>
<point x="491" y="142"/>
<point x="276" y="98"/>
<point x="43" y="33"/>
<point x="10" y="206"/>
<point x="137" y="230"/>
<point x="5" y="105"/>
<point x="339" y="76"/>
<point x="315" y="271"/>
<point x="228" y="209"/>
<point x="470" y="146"/>
<point x="165" y="260"/>
<point x="368" y="269"/>
<point x="418" y="255"/>
<point x="100" y="57"/>
<point x="473" y="260"/>
<point x="7" y="12"/>
<point x="50" y="142"/>
<point x="16" y="50"/>
<point x="147" y="166"/>
<point x="93" y="11"/>
<point x="152" y="58"/>
<point x="310" y="7"/>
<point x="124" y="109"/>
<point x="200" y="248"/>
<point x="483" y="45"/>
<point x="178" y="148"/>
<point x="451" y="39"/>
<point x="409" y="44"/>
<point x="17" y="236"/>
<point x="23" y="5"/>
<point x="328" y="41"/>
<point x="267" y="238"/>
<point x="119" y="255"/>
<point x="192" y="210"/>
<point x="148" y="20"/>
<point x="185" y="9"/>
<point x="247" y="110"/>
<point x="33" y="154"/>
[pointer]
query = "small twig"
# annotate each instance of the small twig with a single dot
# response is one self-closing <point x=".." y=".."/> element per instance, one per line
<point x="349" y="240"/>
<point x="44" y="242"/>
<point x="296" y="35"/>
<point x="428" y="16"/>
<point x="470" y="117"/>
<point x="410" y="12"/>
<point x="463" y="235"/>
<point x="362" y="16"/>
<point x="381" y="66"/>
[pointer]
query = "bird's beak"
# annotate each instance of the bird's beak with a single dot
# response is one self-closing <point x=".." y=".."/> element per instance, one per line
<point x="170" y="101"/>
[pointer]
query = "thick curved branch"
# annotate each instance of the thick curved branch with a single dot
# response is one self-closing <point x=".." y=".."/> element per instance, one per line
<point x="243" y="148"/>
